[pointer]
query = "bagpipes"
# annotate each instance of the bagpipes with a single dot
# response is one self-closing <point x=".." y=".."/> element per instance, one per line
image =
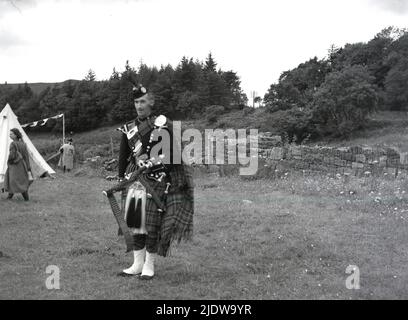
<point x="134" y="134"/>
<point x="138" y="175"/>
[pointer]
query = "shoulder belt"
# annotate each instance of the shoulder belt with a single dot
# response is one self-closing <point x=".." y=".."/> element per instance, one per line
<point x="135" y="132"/>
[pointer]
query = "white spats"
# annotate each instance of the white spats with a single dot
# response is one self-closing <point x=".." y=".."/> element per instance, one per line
<point x="148" y="267"/>
<point x="137" y="266"/>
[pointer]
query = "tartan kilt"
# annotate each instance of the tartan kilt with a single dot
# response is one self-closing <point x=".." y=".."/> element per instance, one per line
<point x="176" y="223"/>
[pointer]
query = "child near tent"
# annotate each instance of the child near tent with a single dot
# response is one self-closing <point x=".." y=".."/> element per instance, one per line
<point x="18" y="177"/>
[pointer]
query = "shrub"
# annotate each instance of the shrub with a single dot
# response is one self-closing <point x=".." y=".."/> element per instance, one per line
<point x="213" y="112"/>
<point x="343" y="102"/>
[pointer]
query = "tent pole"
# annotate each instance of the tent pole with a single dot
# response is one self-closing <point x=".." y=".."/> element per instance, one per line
<point x="63" y="128"/>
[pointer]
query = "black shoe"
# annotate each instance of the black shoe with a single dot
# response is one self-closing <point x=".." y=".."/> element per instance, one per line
<point x="146" y="277"/>
<point x="25" y="196"/>
<point x="10" y="196"/>
<point x="125" y="275"/>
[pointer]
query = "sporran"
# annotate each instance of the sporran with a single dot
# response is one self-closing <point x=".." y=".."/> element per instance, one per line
<point x="135" y="208"/>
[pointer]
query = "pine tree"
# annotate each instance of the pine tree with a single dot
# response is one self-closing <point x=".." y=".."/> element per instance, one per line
<point x="210" y="64"/>
<point x="90" y="76"/>
<point x="115" y="75"/>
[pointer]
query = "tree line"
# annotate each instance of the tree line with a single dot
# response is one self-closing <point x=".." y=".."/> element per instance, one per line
<point x="334" y="96"/>
<point x="183" y="92"/>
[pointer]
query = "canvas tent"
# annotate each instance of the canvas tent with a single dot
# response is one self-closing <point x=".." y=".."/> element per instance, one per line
<point x="8" y="121"/>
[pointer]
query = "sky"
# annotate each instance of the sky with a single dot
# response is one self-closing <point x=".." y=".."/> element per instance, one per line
<point x="56" y="40"/>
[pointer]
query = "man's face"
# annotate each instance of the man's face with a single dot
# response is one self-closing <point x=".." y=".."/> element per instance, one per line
<point x="143" y="106"/>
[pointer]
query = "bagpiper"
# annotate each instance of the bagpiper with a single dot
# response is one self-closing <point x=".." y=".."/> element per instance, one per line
<point x="159" y="206"/>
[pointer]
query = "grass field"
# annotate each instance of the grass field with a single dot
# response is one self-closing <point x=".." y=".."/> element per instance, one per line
<point x="290" y="238"/>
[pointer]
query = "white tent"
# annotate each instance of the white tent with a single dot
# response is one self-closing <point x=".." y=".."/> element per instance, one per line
<point x="8" y="121"/>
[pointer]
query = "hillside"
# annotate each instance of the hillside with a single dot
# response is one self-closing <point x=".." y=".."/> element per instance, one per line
<point x="36" y="87"/>
<point x="381" y="128"/>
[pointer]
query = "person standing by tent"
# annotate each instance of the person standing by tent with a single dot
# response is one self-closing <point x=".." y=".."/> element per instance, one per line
<point x="67" y="156"/>
<point x="8" y="121"/>
<point x="18" y="177"/>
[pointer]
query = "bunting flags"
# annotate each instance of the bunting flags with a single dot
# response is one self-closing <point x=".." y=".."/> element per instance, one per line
<point x="41" y="122"/>
<point x="121" y="129"/>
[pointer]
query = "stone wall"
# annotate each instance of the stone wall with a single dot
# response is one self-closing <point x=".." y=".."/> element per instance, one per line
<point x="355" y="158"/>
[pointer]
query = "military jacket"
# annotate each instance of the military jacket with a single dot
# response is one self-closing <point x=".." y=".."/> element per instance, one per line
<point x="138" y="139"/>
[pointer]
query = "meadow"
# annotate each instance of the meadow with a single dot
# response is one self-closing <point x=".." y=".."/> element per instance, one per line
<point x="290" y="237"/>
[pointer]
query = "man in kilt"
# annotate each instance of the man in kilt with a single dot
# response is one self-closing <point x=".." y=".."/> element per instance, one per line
<point x="174" y="187"/>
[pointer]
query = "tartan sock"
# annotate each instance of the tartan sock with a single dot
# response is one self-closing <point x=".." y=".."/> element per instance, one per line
<point x="139" y="241"/>
<point x="151" y="243"/>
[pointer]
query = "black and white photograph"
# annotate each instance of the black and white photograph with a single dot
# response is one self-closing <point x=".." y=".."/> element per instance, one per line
<point x="217" y="152"/>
